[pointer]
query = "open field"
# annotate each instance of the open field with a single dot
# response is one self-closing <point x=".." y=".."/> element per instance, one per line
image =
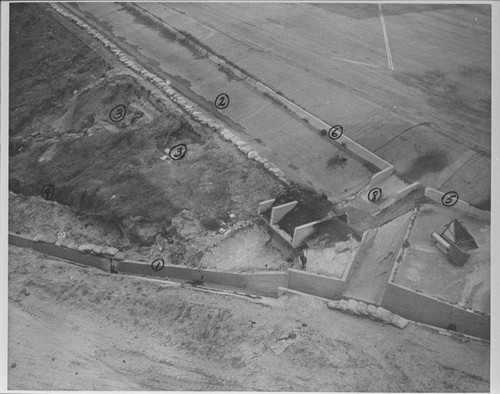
<point x="429" y="116"/>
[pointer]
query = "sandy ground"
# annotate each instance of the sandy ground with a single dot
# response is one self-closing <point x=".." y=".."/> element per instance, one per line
<point x="77" y="328"/>
<point x="429" y="115"/>
<point x="332" y="261"/>
<point x="247" y="250"/>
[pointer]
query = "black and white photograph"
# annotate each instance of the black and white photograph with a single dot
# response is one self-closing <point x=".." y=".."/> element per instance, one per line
<point x="277" y="196"/>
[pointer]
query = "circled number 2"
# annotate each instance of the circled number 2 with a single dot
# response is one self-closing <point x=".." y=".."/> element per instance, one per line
<point x="177" y="152"/>
<point x="449" y="199"/>
<point x="375" y="194"/>
<point x="221" y="101"/>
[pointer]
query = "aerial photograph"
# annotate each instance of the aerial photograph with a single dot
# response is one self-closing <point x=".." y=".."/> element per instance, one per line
<point x="248" y="196"/>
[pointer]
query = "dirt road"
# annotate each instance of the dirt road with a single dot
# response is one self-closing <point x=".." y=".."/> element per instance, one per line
<point x="73" y="328"/>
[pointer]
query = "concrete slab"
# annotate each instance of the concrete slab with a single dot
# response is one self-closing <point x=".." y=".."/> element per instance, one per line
<point x="375" y="260"/>
<point x="426" y="269"/>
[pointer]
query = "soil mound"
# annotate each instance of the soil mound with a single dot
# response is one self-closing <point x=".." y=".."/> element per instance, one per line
<point x="102" y="142"/>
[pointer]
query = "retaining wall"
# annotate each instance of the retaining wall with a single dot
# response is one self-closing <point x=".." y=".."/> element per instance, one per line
<point x="382" y="175"/>
<point x="279" y="212"/>
<point x="300" y="233"/>
<point x="365" y="242"/>
<point x="263" y="283"/>
<point x="61" y="252"/>
<point x="398" y="299"/>
<point x="436" y="195"/>
<point x="265" y="205"/>
<point x="318" y="285"/>
<point x="429" y="310"/>
<point x="407" y="190"/>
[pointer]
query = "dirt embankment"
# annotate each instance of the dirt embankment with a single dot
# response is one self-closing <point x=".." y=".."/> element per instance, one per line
<point x="73" y="328"/>
<point x="66" y="131"/>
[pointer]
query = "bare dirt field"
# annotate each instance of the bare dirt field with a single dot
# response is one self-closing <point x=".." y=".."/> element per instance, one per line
<point x="74" y="328"/>
<point x="427" y="111"/>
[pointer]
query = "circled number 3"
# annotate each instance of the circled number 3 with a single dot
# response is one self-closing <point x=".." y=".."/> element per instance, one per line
<point x="177" y="152"/>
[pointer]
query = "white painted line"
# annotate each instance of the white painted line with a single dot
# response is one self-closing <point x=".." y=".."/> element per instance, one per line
<point x="387" y="47"/>
<point x="355" y="62"/>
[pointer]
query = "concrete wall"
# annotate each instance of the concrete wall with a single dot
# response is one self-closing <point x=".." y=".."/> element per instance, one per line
<point x="300" y="233"/>
<point x="405" y="239"/>
<point x="19" y="240"/>
<point x="435" y="195"/>
<point x="407" y="190"/>
<point x="365" y="242"/>
<point x="263" y="283"/>
<point x="61" y="252"/>
<point x="471" y="322"/>
<point x="382" y="175"/>
<point x="265" y="205"/>
<point x="278" y="212"/>
<point x="318" y="285"/>
<point x="398" y="299"/>
<point x="266" y="283"/>
<point x="420" y="307"/>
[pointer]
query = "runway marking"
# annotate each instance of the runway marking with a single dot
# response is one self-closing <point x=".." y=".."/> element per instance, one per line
<point x="387" y="47"/>
<point x="355" y="62"/>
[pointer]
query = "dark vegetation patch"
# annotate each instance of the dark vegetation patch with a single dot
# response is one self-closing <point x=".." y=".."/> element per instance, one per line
<point x="429" y="162"/>
<point x="335" y="161"/>
<point x="39" y="82"/>
<point x="334" y="230"/>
